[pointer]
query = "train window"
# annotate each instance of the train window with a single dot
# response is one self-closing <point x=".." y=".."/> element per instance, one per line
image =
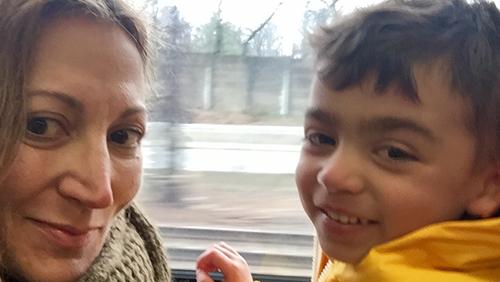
<point x="232" y="80"/>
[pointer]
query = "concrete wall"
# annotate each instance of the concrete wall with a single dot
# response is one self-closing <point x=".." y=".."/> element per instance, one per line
<point x="271" y="86"/>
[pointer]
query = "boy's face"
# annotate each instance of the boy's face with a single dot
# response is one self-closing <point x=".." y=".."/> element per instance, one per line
<point x="374" y="167"/>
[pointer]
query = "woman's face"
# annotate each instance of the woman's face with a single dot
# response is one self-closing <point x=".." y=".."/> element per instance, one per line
<point x="80" y="161"/>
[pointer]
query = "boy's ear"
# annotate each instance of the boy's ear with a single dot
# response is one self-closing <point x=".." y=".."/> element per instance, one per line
<point x="487" y="202"/>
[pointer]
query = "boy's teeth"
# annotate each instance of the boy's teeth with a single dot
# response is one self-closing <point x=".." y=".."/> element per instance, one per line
<point x="353" y="220"/>
<point x="344" y="219"/>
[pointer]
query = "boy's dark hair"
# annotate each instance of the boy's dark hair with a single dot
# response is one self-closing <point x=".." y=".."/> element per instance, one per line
<point x="387" y="40"/>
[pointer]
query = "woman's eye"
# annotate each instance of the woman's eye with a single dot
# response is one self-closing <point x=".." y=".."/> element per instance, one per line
<point x="320" y="139"/>
<point x="398" y="154"/>
<point x="126" y="137"/>
<point x="44" y="128"/>
<point x="37" y="126"/>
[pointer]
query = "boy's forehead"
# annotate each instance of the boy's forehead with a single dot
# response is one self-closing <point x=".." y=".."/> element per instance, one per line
<point x="438" y="102"/>
<point x="367" y="87"/>
<point x="434" y="76"/>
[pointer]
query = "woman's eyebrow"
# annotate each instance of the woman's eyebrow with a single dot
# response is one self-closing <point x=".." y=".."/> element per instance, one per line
<point x="135" y="109"/>
<point x="65" y="98"/>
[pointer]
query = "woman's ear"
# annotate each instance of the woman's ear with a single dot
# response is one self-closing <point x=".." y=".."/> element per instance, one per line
<point x="487" y="202"/>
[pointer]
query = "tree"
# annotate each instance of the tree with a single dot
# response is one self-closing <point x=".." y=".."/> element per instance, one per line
<point x="173" y="37"/>
<point x="174" y="34"/>
<point x="173" y="41"/>
<point x="217" y="37"/>
<point x="313" y="18"/>
<point x="175" y="31"/>
<point x="263" y="41"/>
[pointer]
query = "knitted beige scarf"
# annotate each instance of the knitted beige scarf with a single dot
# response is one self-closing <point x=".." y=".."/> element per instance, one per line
<point x="132" y="252"/>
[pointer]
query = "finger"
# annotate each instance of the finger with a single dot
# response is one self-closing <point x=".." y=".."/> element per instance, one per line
<point x="228" y="249"/>
<point x="213" y="259"/>
<point x="222" y="257"/>
<point x="202" y="276"/>
<point x="205" y="260"/>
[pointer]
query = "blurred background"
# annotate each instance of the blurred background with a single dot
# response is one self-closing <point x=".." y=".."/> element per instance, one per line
<point x="231" y="86"/>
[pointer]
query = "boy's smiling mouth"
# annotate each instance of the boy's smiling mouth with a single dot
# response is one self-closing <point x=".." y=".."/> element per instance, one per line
<point x="346" y="219"/>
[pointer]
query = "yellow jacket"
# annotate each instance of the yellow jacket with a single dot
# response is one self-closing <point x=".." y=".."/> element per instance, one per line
<point x="458" y="251"/>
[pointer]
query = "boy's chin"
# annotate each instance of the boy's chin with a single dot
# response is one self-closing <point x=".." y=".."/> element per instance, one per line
<point x="347" y="259"/>
<point x="344" y="254"/>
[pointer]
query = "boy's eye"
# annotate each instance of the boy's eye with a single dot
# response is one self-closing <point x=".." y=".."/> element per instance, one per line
<point x="320" y="139"/>
<point x="398" y="154"/>
<point x="44" y="128"/>
<point x="126" y="137"/>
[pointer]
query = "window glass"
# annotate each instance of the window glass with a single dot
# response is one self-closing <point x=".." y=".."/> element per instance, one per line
<point x="232" y="82"/>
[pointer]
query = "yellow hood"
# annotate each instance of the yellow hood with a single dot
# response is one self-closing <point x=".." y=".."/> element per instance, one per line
<point x="458" y="251"/>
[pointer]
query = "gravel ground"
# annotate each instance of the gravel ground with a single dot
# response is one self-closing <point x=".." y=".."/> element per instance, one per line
<point x="261" y="202"/>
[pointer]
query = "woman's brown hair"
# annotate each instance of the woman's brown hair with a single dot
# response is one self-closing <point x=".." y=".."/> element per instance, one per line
<point x="21" y="22"/>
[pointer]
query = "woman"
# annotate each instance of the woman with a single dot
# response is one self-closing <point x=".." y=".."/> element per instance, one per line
<point x="73" y="87"/>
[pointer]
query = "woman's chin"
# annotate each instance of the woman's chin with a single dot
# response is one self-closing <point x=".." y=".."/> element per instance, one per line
<point x="43" y="267"/>
<point x="39" y="273"/>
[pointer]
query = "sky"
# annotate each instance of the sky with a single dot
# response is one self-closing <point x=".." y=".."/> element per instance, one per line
<point x="250" y="14"/>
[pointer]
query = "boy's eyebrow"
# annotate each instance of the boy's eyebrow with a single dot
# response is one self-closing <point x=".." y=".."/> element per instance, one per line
<point x="384" y="124"/>
<point x="319" y="115"/>
<point x="65" y="98"/>
<point x="378" y="124"/>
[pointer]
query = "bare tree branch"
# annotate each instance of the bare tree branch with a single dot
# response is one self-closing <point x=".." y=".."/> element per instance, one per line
<point x="218" y="30"/>
<point x="262" y="25"/>
<point x="330" y="5"/>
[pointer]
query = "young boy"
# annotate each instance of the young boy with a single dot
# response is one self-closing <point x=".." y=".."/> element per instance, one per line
<point x="400" y="168"/>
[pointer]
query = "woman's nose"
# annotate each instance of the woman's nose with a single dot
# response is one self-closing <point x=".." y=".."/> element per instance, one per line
<point x="87" y="179"/>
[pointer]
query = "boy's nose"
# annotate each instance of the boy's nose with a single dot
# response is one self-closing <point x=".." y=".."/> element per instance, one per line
<point x="341" y="172"/>
<point x="87" y="179"/>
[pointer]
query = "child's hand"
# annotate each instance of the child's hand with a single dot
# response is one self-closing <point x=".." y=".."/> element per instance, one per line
<point x="222" y="257"/>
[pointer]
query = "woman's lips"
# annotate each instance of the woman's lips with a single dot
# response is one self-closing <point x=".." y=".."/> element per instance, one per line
<point x="65" y="236"/>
